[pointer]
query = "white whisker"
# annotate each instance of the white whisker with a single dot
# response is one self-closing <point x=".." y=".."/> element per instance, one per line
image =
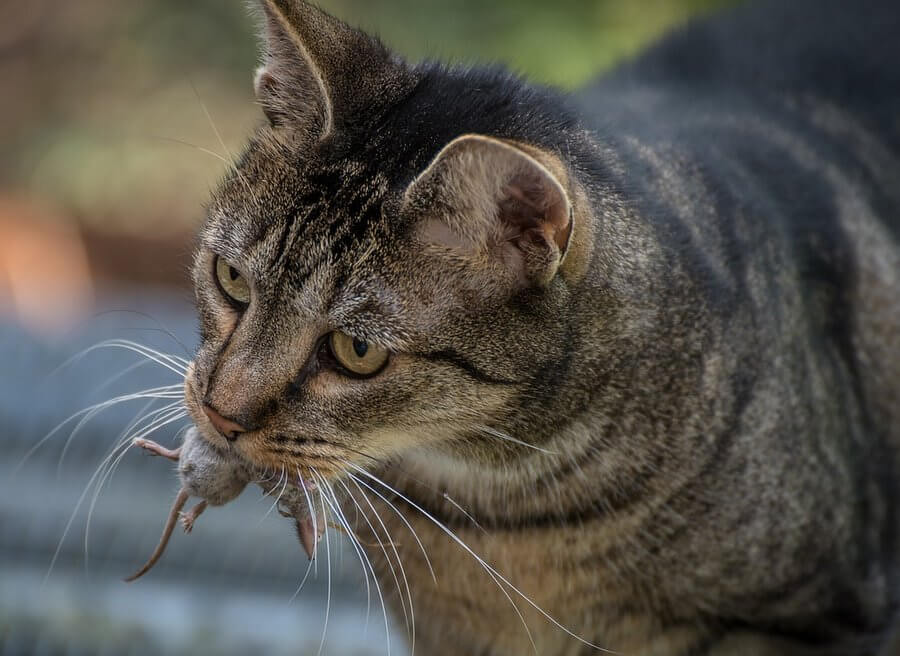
<point x="165" y="392"/>
<point x="410" y="617"/>
<point x="78" y="503"/>
<point x="364" y="560"/>
<point x="312" y="512"/>
<point x="122" y="447"/>
<point x="233" y="163"/>
<point x="328" y="558"/>
<point x="169" y="414"/>
<point x="447" y="497"/>
<point x="400" y="515"/>
<point x="280" y="494"/>
<point x="77" y="429"/>
<point x="173" y="363"/>
<point x="485" y="565"/>
<point x="509" y="438"/>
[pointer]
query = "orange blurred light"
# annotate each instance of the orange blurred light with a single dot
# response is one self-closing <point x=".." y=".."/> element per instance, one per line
<point x="45" y="280"/>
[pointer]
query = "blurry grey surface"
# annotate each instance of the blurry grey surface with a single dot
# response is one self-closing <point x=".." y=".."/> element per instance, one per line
<point x="227" y="588"/>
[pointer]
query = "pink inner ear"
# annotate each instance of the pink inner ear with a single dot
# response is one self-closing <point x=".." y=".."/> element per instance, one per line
<point x="436" y="231"/>
<point x="533" y="202"/>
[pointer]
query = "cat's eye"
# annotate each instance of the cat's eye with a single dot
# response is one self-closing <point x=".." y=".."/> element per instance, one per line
<point x="357" y="356"/>
<point x="232" y="282"/>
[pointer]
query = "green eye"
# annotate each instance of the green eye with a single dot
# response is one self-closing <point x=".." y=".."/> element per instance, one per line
<point x="357" y="356"/>
<point x="232" y="282"/>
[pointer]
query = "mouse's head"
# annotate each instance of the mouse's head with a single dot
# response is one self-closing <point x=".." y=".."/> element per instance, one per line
<point x="209" y="473"/>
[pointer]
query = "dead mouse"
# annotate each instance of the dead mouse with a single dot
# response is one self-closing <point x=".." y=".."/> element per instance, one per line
<point x="205" y="473"/>
<point x="296" y="499"/>
<point x="215" y="478"/>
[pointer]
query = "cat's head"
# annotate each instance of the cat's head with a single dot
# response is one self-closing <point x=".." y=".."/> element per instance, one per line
<point x="389" y="265"/>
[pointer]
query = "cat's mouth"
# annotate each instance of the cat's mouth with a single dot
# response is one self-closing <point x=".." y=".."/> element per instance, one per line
<point x="194" y="407"/>
<point x="260" y="451"/>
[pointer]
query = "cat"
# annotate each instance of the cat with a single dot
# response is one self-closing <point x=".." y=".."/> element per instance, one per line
<point x="613" y="370"/>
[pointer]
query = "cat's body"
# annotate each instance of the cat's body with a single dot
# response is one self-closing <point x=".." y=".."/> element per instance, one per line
<point x="685" y="294"/>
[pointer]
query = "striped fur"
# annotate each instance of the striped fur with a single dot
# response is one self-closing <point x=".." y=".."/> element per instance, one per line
<point x="676" y="432"/>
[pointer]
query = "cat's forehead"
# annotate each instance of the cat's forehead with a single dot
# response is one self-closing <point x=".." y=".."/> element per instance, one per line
<point x="288" y="215"/>
<point x="310" y="231"/>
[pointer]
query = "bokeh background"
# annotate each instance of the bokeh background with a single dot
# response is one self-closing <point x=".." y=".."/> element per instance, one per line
<point x="115" y="120"/>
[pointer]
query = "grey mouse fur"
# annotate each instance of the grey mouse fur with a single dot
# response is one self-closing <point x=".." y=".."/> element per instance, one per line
<point x="206" y="473"/>
<point x="216" y="478"/>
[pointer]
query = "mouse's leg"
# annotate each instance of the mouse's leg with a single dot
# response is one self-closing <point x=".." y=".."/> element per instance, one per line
<point x="188" y="518"/>
<point x="310" y="530"/>
<point x="158" y="449"/>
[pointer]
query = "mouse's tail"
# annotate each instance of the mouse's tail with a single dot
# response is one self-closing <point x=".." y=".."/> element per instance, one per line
<point x="180" y="500"/>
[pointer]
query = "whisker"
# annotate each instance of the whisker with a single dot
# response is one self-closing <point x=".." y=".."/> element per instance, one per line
<point x="485" y="565"/>
<point x="233" y="163"/>
<point x="260" y="481"/>
<point x="413" y="478"/>
<point x="399" y="514"/>
<point x="312" y="512"/>
<point x="490" y="571"/>
<point x="122" y="447"/>
<point x="328" y="558"/>
<point x="280" y="494"/>
<point x="78" y="503"/>
<point x="205" y="151"/>
<point x="174" y="363"/>
<point x="409" y="617"/>
<point x="165" y="392"/>
<point x="125" y="440"/>
<point x="161" y="327"/>
<point x="120" y="440"/>
<point x="503" y="436"/>
<point x="354" y="543"/>
<point x="173" y="415"/>
<point x="86" y="419"/>
<point x="464" y="512"/>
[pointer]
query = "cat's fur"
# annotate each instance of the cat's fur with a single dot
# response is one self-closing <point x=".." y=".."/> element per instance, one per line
<point x="683" y="285"/>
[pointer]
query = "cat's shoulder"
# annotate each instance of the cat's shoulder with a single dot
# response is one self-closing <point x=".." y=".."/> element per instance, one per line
<point x="831" y="47"/>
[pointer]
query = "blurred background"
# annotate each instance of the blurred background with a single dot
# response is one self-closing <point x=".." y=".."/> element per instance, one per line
<point x="116" y="119"/>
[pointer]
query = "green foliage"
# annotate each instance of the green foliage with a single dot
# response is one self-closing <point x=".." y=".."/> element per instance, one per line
<point x="98" y="131"/>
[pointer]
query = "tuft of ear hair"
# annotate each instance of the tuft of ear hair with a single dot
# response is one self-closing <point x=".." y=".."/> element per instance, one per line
<point x="318" y="72"/>
<point x="486" y="197"/>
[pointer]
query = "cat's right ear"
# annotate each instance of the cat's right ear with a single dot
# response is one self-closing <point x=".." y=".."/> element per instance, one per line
<point x="317" y="71"/>
<point x="500" y="206"/>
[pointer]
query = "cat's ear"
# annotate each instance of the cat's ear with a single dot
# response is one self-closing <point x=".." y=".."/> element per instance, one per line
<point x="482" y="196"/>
<point x="317" y="71"/>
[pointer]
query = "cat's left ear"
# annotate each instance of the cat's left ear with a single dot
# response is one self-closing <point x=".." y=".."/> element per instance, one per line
<point x="483" y="197"/>
<point x="318" y="72"/>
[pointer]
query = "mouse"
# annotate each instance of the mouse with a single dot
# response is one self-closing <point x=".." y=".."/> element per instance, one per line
<point x="213" y="476"/>
<point x="217" y="477"/>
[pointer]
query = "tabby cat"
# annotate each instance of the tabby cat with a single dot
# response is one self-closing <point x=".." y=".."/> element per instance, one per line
<point x="618" y="370"/>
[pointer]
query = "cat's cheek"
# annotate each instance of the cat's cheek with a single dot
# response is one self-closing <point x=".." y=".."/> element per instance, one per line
<point x="226" y="320"/>
<point x="330" y="383"/>
<point x="190" y="392"/>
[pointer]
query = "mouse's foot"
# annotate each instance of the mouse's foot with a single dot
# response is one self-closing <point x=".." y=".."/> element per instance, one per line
<point x="188" y="518"/>
<point x="310" y="530"/>
<point x="157" y="449"/>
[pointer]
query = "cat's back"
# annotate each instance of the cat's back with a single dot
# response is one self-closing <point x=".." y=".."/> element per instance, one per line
<point x="763" y="144"/>
<point x="845" y="53"/>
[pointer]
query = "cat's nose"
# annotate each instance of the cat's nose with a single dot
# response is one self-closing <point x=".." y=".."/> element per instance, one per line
<point x="228" y="428"/>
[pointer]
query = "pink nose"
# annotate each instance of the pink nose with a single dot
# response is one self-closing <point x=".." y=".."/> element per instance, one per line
<point x="228" y="428"/>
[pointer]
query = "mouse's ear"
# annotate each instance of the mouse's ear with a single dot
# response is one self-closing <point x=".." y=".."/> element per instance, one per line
<point x="500" y="204"/>
<point x="317" y="71"/>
